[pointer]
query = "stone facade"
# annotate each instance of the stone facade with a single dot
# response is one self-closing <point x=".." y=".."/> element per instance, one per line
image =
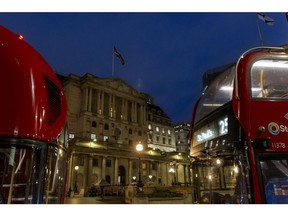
<point x="107" y="118"/>
<point x="182" y="132"/>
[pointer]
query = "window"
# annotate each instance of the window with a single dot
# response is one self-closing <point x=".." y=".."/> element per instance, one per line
<point x="269" y="79"/>
<point x="150" y="137"/>
<point x="149" y="117"/>
<point x="95" y="162"/>
<point x="108" y="163"/>
<point x="157" y="129"/>
<point x="93" y="137"/>
<point x="164" y="140"/>
<point x="106" y="126"/>
<point x="163" y="130"/>
<point x="169" y="132"/>
<point x="80" y="160"/>
<point x="71" y="136"/>
<point x="149" y="126"/>
<point x="139" y="133"/>
<point x="157" y="138"/>
<point x="169" y="141"/>
<point x="130" y="131"/>
<point x="105" y="138"/>
<point x="94" y="124"/>
<point x="154" y="166"/>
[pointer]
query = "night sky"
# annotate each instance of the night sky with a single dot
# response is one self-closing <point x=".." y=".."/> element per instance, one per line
<point x="165" y="53"/>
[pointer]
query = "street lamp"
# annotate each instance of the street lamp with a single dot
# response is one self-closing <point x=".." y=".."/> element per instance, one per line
<point x="150" y="179"/>
<point x="75" y="186"/>
<point x="134" y="180"/>
<point x="139" y="149"/>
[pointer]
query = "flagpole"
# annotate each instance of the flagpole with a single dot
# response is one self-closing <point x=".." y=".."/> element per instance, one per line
<point x="260" y="36"/>
<point x="113" y="62"/>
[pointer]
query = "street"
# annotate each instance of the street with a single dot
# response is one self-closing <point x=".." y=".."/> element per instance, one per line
<point x="96" y="200"/>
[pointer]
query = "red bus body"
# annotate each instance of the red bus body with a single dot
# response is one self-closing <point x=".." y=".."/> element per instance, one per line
<point x="33" y="116"/>
<point x="239" y="145"/>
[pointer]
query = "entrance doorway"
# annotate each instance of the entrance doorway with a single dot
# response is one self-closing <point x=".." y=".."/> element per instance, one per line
<point x="121" y="175"/>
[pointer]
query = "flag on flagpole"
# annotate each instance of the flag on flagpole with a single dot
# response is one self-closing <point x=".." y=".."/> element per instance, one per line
<point x="265" y="18"/>
<point x="117" y="53"/>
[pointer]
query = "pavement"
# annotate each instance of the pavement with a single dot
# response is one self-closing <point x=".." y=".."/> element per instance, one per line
<point x="96" y="200"/>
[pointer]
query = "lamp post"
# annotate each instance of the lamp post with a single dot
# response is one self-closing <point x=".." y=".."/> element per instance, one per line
<point x="150" y="179"/>
<point x="76" y="173"/>
<point x="134" y="180"/>
<point x="139" y="149"/>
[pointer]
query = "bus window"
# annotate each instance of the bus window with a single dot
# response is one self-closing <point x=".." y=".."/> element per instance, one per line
<point x="274" y="172"/>
<point x="21" y="174"/>
<point x="220" y="180"/>
<point x="55" y="175"/>
<point x="269" y="79"/>
<point x="218" y="93"/>
<point x="18" y="174"/>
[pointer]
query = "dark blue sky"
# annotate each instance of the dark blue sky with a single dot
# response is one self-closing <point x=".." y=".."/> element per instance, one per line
<point x="165" y="53"/>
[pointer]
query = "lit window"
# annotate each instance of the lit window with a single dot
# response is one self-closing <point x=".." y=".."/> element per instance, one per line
<point x="93" y="137"/>
<point x="163" y="130"/>
<point x="157" y="129"/>
<point x="71" y="136"/>
<point x="149" y="127"/>
<point x="169" y="132"/>
<point x="105" y="138"/>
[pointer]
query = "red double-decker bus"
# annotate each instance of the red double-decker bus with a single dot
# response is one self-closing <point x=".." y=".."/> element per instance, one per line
<point x="33" y="112"/>
<point x="239" y="132"/>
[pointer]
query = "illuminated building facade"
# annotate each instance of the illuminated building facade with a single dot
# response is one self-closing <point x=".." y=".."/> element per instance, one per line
<point x="182" y="137"/>
<point x="107" y="118"/>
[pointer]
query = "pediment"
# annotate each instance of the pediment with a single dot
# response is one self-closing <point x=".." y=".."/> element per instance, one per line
<point x="121" y="86"/>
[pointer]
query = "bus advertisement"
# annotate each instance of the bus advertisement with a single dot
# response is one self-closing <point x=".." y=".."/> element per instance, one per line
<point x="239" y="131"/>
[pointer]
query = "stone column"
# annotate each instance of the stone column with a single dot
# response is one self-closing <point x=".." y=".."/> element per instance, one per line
<point x="115" y="171"/>
<point x="89" y="171"/>
<point x="167" y="167"/>
<point x="126" y="109"/>
<point x="99" y="102"/>
<point x="103" y="171"/>
<point x="158" y="173"/>
<point x="122" y="109"/>
<point x="130" y="171"/>
<point x="89" y="99"/>
<point x="102" y="103"/>
<point x="114" y="107"/>
<point x="85" y="99"/>
<point x="132" y="111"/>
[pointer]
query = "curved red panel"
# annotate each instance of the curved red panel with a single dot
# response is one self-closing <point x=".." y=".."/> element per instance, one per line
<point x="33" y="104"/>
